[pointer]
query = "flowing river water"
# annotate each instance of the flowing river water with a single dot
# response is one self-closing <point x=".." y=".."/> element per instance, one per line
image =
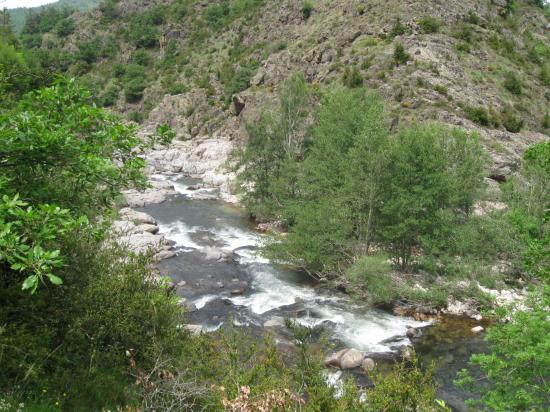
<point x="229" y="283"/>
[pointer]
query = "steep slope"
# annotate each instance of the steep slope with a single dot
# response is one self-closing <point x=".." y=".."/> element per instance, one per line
<point x="207" y="67"/>
<point x="19" y="14"/>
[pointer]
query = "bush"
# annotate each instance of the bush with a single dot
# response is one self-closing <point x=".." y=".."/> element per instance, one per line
<point x="429" y="24"/>
<point x="406" y="388"/>
<point x="478" y="115"/>
<point x="65" y="27"/>
<point x="352" y="78"/>
<point x="513" y="386"/>
<point x="397" y="29"/>
<point x="133" y="89"/>
<point x="545" y="75"/>
<point x="373" y="273"/>
<point x="110" y="95"/>
<point x="400" y="56"/>
<point x="141" y="58"/>
<point x="307" y="9"/>
<point x="472" y="18"/>
<point x="511" y="122"/>
<point x="134" y="83"/>
<point x="512" y="83"/>
<point x="464" y="32"/>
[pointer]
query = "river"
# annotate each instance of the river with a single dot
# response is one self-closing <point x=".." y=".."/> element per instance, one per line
<point x="228" y="282"/>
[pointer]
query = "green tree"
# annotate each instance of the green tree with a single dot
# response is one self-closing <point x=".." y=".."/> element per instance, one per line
<point x="518" y="365"/>
<point x="275" y="143"/>
<point x="430" y="170"/>
<point x="60" y="158"/>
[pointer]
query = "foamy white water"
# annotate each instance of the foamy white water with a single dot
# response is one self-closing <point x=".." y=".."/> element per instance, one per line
<point x="357" y="326"/>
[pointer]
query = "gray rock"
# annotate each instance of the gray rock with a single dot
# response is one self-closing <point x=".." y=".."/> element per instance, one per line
<point x="412" y="333"/>
<point x="194" y="329"/>
<point x="368" y="365"/>
<point x="136" y="217"/>
<point x="345" y="359"/>
<point x="274" y="322"/>
<point x="351" y="359"/>
<point x="477" y="329"/>
<point x="406" y="353"/>
<point x="146" y="227"/>
<point x="164" y="254"/>
<point x="187" y="305"/>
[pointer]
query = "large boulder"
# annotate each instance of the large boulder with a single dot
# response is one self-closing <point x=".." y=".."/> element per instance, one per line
<point x="136" y="217"/>
<point x="345" y="359"/>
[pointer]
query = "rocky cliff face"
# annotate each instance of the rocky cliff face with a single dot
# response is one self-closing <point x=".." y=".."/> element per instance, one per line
<point x="459" y="55"/>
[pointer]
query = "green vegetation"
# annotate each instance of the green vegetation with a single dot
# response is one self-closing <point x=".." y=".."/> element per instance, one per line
<point x="400" y="56"/>
<point x="512" y="83"/>
<point x="355" y="180"/>
<point x="352" y="77"/>
<point x="307" y="9"/>
<point x="429" y="24"/>
<point x="478" y="115"/>
<point x="517" y="367"/>
<point x="397" y="29"/>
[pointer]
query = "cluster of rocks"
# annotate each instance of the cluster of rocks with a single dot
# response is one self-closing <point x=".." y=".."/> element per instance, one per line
<point x="159" y="192"/>
<point x="350" y="358"/>
<point x="138" y="231"/>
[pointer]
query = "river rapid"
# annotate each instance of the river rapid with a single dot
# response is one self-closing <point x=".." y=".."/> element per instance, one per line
<point x="229" y="283"/>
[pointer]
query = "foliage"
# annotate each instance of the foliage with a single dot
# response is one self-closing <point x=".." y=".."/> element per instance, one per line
<point x="275" y="143"/>
<point x="373" y="273"/>
<point x="431" y="172"/>
<point x="406" y="388"/>
<point x="478" y="115"/>
<point x="307" y="9"/>
<point x="397" y="29"/>
<point x="221" y="13"/>
<point x="400" y="56"/>
<point x="429" y="24"/>
<point x="518" y="365"/>
<point x="352" y="77"/>
<point x="61" y="158"/>
<point x="510" y="121"/>
<point x="512" y="83"/>
<point x="134" y="82"/>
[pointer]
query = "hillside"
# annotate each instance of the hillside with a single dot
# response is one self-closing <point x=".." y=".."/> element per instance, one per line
<point x="388" y="245"/>
<point x="19" y="14"/>
<point x="476" y="65"/>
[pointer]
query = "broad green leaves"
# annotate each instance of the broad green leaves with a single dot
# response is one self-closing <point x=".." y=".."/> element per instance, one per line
<point x="63" y="162"/>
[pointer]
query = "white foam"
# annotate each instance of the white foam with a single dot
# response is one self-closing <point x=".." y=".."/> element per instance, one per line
<point x="235" y="238"/>
<point x="204" y="300"/>
<point x="179" y="233"/>
<point x="363" y="331"/>
<point x="270" y="292"/>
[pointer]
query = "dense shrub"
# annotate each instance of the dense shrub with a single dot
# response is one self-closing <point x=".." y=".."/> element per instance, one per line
<point x="429" y="24"/>
<point x="65" y="27"/>
<point x="510" y="121"/>
<point x="512" y="83"/>
<point x="478" y="115"/>
<point x="400" y="56"/>
<point x="307" y="9"/>
<point x="397" y="29"/>
<point x="134" y="82"/>
<point x="352" y="77"/>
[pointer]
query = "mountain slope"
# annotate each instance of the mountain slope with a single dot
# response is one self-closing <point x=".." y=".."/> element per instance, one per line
<point x="479" y="65"/>
<point x="18" y="15"/>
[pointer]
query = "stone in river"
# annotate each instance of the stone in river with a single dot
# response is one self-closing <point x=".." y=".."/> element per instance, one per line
<point x="368" y="364"/>
<point x="351" y="359"/>
<point x="477" y="329"/>
<point x="194" y="329"/>
<point x="412" y="333"/>
<point x="345" y="359"/>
